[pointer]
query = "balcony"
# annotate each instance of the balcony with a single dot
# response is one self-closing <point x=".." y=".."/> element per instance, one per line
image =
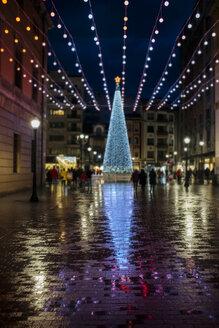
<point x="162" y="133"/>
<point x="162" y="146"/>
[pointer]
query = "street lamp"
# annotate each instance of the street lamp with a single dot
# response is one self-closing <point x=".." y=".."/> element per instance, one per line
<point x="89" y="150"/>
<point x="175" y="154"/>
<point x="201" y="180"/>
<point x="35" y="125"/>
<point x="82" y="140"/>
<point x="187" y="141"/>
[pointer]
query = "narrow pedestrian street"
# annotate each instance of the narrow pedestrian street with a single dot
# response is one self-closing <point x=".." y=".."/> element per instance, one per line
<point x="111" y="257"/>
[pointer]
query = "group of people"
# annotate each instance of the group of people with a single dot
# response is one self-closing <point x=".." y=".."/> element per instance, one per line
<point x="141" y="178"/>
<point x="70" y="177"/>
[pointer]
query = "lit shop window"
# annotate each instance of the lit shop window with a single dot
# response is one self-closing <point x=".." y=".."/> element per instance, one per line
<point x="56" y="112"/>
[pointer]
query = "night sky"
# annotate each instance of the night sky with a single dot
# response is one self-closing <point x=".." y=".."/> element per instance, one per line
<point x="109" y="16"/>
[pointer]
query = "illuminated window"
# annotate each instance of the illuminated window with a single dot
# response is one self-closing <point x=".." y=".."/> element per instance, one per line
<point x="56" y="112"/>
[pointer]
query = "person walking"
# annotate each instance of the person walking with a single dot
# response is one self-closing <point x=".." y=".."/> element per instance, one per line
<point x="64" y="177"/>
<point x="54" y="176"/>
<point x="152" y="177"/>
<point x="142" y="178"/>
<point x="135" y="178"/>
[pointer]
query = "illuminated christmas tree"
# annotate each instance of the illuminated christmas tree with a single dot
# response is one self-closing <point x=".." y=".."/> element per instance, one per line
<point x="117" y="157"/>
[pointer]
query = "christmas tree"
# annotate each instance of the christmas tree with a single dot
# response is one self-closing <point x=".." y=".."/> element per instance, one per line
<point x="117" y="157"/>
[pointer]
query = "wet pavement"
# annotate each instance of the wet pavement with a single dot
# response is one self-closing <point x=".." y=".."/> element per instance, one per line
<point x="111" y="258"/>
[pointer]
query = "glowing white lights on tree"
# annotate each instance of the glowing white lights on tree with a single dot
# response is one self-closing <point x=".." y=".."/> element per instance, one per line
<point x="117" y="157"/>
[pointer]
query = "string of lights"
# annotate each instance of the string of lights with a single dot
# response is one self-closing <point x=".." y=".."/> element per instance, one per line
<point x="192" y="61"/>
<point x="125" y="19"/>
<point x="71" y="45"/>
<point x="155" y="32"/>
<point x="39" y="32"/>
<point x="177" y="44"/>
<point x="97" y="42"/>
<point x="28" y="76"/>
<point x="205" y="87"/>
<point x="26" y="50"/>
<point x="201" y="77"/>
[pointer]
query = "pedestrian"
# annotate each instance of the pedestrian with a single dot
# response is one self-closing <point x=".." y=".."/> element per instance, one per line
<point x="142" y="178"/>
<point x="179" y="176"/>
<point x="49" y="177"/>
<point x="152" y="177"/>
<point x="64" y="177"/>
<point x="135" y="178"/>
<point x="83" y="179"/>
<point x="54" y="176"/>
<point x="69" y="178"/>
<point x="89" y="173"/>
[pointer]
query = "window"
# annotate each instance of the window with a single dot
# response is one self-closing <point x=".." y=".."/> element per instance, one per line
<point x="56" y="112"/>
<point x="150" y="142"/>
<point x="171" y="118"/>
<point x="161" y="155"/>
<point x="136" y="154"/>
<point x="161" y="117"/>
<point x="16" y="153"/>
<point x="171" y="142"/>
<point x="98" y="131"/>
<point x="136" y="128"/>
<point x="170" y="129"/>
<point x="56" y="138"/>
<point x="161" y="128"/>
<point x="161" y="142"/>
<point x="150" y="128"/>
<point x="136" y="140"/>
<point x="150" y="154"/>
<point x="57" y="125"/>
<point x="151" y="116"/>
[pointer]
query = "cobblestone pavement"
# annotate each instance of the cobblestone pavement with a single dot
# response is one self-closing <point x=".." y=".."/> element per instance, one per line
<point x="111" y="258"/>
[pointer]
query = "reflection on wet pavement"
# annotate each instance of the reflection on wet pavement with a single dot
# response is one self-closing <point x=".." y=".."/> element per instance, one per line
<point x="111" y="258"/>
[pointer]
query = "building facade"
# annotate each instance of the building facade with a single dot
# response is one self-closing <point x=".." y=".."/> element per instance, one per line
<point x="64" y="126"/>
<point x="22" y="64"/>
<point x="152" y="137"/>
<point x="198" y="115"/>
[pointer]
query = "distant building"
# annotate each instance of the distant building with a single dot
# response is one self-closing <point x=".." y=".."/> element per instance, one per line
<point x="152" y="138"/>
<point x="199" y="120"/>
<point x="23" y="59"/>
<point x="64" y="126"/>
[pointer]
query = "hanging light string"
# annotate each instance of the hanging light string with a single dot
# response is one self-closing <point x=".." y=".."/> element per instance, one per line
<point x="100" y="56"/>
<point x="71" y="45"/>
<point x="155" y="32"/>
<point x="177" y="44"/>
<point x="26" y="48"/>
<point x="190" y="64"/>
<point x="193" y="85"/>
<point x="125" y="19"/>
<point x="45" y="42"/>
<point x="32" y="80"/>
<point x="205" y="87"/>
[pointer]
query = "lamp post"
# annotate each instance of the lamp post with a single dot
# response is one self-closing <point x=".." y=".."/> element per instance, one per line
<point x="35" y="125"/>
<point x="82" y="139"/>
<point x="175" y="154"/>
<point x="201" y="178"/>
<point x="89" y="150"/>
<point x="187" y="141"/>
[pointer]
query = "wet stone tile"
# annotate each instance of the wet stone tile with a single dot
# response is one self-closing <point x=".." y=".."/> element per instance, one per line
<point x="110" y="258"/>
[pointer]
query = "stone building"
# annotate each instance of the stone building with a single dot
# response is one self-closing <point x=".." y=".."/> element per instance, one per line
<point x="199" y="118"/>
<point x="65" y="125"/>
<point x="152" y="137"/>
<point x="23" y="58"/>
